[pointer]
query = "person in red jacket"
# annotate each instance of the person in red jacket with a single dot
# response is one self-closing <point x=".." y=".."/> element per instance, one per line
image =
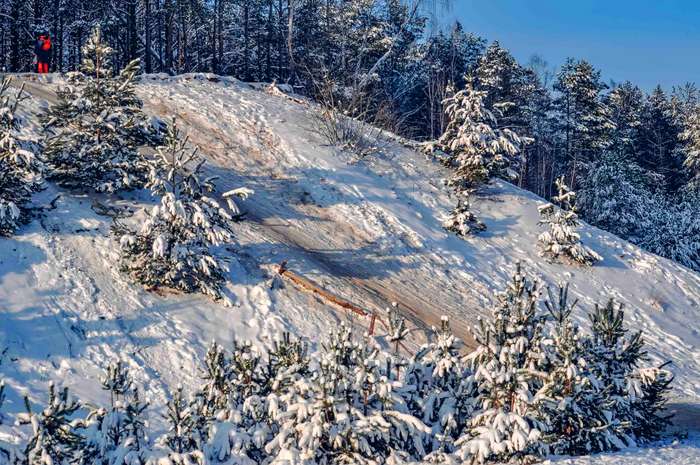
<point x="42" y="49"/>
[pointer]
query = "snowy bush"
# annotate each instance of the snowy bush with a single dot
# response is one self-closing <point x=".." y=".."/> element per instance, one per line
<point x="561" y="240"/>
<point x="19" y="168"/>
<point x="172" y="248"/>
<point x="99" y="126"/>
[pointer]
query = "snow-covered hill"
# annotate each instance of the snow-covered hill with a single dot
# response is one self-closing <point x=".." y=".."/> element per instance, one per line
<point x="368" y="231"/>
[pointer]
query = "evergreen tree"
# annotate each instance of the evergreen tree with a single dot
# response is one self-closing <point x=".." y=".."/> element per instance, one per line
<point x="116" y="435"/>
<point x="691" y="137"/>
<point x="562" y="240"/>
<point x="462" y="220"/>
<point x="613" y="357"/>
<point x="675" y="229"/>
<point x="347" y="412"/>
<point x="444" y="395"/>
<point x="173" y="246"/>
<point x="571" y="401"/>
<point x="626" y="103"/>
<point x="99" y="126"/>
<point x="583" y="119"/>
<point x="19" y="167"/>
<point x="477" y="150"/>
<point x="507" y="363"/>
<point x="658" y="145"/>
<point x="54" y="440"/>
<point x="615" y="197"/>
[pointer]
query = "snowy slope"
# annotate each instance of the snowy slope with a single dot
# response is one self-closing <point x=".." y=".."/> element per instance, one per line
<point x="368" y="231"/>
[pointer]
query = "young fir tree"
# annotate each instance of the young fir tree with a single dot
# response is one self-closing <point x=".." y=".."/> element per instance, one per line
<point x="99" y="126"/>
<point x="173" y="247"/>
<point x="116" y="435"/>
<point x="19" y="167"/>
<point x="562" y="240"/>
<point x="507" y="366"/>
<point x="54" y="440"/>
<point x="477" y="150"/>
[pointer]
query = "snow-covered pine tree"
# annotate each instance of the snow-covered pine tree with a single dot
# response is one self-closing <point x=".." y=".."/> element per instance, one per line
<point x="650" y="387"/>
<point x="507" y="366"/>
<point x="477" y="150"/>
<point x="691" y="137"/>
<point x="443" y="388"/>
<point x="571" y="402"/>
<point x="613" y="357"/>
<point x="561" y="240"/>
<point x="19" y="168"/>
<point x="99" y="126"/>
<point x="181" y="435"/>
<point x="116" y="435"/>
<point x="614" y="196"/>
<point x="347" y="411"/>
<point x="173" y="247"/>
<point x="462" y="219"/>
<point x="54" y="439"/>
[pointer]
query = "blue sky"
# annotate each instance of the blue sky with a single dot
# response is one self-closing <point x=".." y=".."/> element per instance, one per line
<point x="648" y="42"/>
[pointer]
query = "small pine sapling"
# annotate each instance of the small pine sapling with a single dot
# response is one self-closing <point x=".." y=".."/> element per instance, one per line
<point x="54" y="439"/>
<point x="99" y="126"/>
<point x="116" y="434"/>
<point x="443" y="387"/>
<point x="571" y="401"/>
<point x="507" y="366"/>
<point x="561" y="240"/>
<point x="173" y="247"/>
<point x="20" y="170"/>
<point x="462" y="220"/>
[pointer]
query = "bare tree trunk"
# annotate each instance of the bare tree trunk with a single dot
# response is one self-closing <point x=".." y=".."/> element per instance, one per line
<point x="290" y="42"/>
<point x="169" y="19"/>
<point x="147" y="32"/>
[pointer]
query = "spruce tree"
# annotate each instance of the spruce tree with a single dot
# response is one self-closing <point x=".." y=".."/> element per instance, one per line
<point x="583" y="119"/>
<point x="507" y="366"/>
<point x="613" y="357"/>
<point x="99" y="126"/>
<point x="173" y="247"/>
<point x="616" y="197"/>
<point x="691" y="138"/>
<point x="20" y="170"/>
<point x="561" y="240"/>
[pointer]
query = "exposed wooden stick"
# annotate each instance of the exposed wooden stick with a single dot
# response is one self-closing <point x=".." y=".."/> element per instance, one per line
<point x="315" y="289"/>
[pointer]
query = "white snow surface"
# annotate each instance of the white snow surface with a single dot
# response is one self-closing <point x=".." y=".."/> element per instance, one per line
<point x="366" y="230"/>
